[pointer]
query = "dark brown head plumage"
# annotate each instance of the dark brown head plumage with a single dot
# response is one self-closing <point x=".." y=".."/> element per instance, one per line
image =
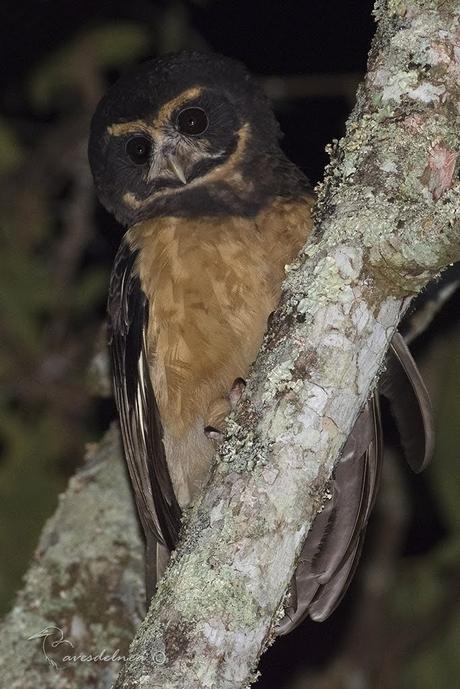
<point x="187" y="133"/>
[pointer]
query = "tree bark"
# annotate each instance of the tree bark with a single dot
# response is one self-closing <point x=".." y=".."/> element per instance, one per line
<point x="387" y="222"/>
<point x="86" y="581"/>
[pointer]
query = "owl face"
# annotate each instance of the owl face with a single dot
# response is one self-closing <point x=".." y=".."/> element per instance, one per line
<point x="172" y="126"/>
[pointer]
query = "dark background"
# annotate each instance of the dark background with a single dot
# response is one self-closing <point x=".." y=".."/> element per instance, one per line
<point x="399" y="625"/>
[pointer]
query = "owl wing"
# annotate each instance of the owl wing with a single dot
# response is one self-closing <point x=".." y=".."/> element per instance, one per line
<point x="333" y="545"/>
<point x="140" y="423"/>
<point x="403" y="386"/>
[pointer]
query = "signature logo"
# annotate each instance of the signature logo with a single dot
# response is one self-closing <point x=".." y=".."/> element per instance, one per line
<point x="52" y="637"/>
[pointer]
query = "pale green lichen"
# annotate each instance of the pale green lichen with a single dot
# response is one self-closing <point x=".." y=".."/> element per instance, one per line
<point x="383" y="8"/>
<point x="241" y="450"/>
<point x="212" y="593"/>
<point x="398" y="85"/>
<point x="402" y="8"/>
<point x="283" y="377"/>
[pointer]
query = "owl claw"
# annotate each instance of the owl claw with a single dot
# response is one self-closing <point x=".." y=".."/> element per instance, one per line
<point x="213" y="433"/>
<point x="234" y="397"/>
<point x="236" y="392"/>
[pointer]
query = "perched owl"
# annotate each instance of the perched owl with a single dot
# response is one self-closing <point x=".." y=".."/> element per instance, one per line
<point x="185" y="152"/>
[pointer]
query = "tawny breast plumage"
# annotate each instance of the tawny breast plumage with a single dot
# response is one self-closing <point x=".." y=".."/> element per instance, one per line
<point x="211" y="286"/>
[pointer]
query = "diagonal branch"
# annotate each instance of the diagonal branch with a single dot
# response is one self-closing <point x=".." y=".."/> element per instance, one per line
<point x="85" y="583"/>
<point x="387" y="223"/>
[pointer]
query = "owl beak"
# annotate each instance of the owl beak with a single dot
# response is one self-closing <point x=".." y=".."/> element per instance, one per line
<point x="176" y="168"/>
<point x="165" y="161"/>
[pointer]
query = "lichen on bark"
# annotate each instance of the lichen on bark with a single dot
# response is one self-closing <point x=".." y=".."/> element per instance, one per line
<point x="86" y="580"/>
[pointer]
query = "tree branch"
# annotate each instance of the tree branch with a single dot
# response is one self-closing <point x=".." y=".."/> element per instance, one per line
<point x="86" y="580"/>
<point x="387" y="223"/>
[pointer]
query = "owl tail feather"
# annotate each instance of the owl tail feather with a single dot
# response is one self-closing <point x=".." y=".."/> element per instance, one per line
<point x="156" y="561"/>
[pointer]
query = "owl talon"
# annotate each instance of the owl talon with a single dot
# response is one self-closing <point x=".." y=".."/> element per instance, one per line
<point x="236" y="392"/>
<point x="213" y="433"/>
<point x="290" y="609"/>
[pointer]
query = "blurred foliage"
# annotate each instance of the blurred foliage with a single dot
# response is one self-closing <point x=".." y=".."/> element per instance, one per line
<point x="430" y="592"/>
<point x="106" y="47"/>
<point x="55" y="255"/>
<point x="11" y="153"/>
<point x="445" y="472"/>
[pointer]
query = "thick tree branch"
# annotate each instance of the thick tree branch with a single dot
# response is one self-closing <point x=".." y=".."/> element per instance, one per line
<point x="387" y="223"/>
<point x="86" y="580"/>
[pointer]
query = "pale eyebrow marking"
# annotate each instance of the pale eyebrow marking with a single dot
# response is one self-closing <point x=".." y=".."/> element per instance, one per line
<point x="168" y="108"/>
<point x="121" y="128"/>
<point x="139" y="126"/>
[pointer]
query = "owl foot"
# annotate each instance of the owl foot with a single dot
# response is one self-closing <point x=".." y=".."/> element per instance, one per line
<point x="213" y="433"/>
<point x="236" y="392"/>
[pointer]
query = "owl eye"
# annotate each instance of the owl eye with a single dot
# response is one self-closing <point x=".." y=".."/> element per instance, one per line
<point x="192" y="121"/>
<point x="138" y="149"/>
